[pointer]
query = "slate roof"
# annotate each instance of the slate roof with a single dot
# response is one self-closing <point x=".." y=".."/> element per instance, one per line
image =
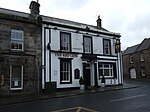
<point x="131" y="49"/>
<point x="145" y="44"/>
<point x="27" y="17"/>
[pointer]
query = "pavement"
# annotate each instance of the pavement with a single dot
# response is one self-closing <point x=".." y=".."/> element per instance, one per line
<point x="30" y="97"/>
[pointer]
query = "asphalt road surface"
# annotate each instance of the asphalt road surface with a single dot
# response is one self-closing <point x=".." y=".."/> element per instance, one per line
<point x="127" y="100"/>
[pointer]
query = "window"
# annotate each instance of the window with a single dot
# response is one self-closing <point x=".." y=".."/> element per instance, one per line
<point x="17" y="40"/>
<point x="65" y="71"/>
<point x="16" y="77"/>
<point x="106" y="45"/>
<point x="76" y="73"/>
<point x="131" y="59"/>
<point x="143" y="72"/>
<point x="65" y="41"/>
<point x="141" y="57"/>
<point x="106" y="69"/>
<point x="87" y="44"/>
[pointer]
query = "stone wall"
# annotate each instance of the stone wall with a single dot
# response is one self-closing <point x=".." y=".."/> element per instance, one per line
<point x="30" y="57"/>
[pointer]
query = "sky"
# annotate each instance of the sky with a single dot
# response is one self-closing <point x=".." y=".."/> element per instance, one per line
<point x="130" y="18"/>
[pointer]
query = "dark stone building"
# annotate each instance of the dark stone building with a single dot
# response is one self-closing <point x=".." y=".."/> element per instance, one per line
<point x="136" y="61"/>
<point x="20" y="50"/>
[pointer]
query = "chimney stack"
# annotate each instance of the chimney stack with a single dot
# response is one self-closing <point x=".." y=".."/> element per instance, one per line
<point x="34" y="8"/>
<point x="99" y="24"/>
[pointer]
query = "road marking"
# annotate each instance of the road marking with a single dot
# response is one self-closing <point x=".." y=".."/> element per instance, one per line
<point x="76" y="109"/>
<point x="127" y="98"/>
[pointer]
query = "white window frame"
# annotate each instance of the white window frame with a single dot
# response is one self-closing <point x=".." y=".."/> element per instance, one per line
<point x="66" y="73"/>
<point x="141" y="57"/>
<point x="65" y="44"/>
<point x="87" y="44"/>
<point x="131" y="59"/>
<point x="143" y="72"/>
<point x="17" y="40"/>
<point x="11" y="78"/>
<point x="110" y="68"/>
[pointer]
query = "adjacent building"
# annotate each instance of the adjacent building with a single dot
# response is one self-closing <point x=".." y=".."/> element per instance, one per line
<point x="39" y="52"/>
<point x="20" y="51"/>
<point x="136" y="61"/>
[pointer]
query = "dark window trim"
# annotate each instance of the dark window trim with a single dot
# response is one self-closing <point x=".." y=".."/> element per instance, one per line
<point x="109" y="47"/>
<point x="85" y="36"/>
<point x="114" y="69"/>
<point x="69" y="41"/>
<point x="66" y="60"/>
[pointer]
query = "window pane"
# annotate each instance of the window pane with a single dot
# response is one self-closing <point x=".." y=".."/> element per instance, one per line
<point x="106" y="47"/>
<point x="106" y="72"/>
<point x="87" y="44"/>
<point x="16" y="77"/>
<point x="65" y="41"/>
<point x="17" y="40"/>
<point x="65" y="71"/>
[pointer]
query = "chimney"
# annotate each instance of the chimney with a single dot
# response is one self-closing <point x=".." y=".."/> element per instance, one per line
<point x="34" y="8"/>
<point x="99" y="24"/>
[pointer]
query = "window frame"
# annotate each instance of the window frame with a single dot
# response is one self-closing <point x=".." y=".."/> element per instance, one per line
<point x="111" y="68"/>
<point x="90" y="51"/>
<point x="143" y="73"/>
<point x="109" y="47"/>
<point x="131" y="59"/>
<point x="141" y="57"/>
<point x="68" y="61"/>
<point x="16" y="40"/>
<point x="69" y="43"/>
<point x="16" y="88"/>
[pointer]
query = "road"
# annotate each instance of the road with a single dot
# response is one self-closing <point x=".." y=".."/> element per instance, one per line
<point x="126" y="100"/>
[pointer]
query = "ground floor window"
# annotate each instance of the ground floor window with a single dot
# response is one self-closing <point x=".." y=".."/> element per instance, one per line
<point x="107" y="69"/>
<point x="143" y="72"/>
<point x="65" y="71"/>
<point x="16" y="77"/>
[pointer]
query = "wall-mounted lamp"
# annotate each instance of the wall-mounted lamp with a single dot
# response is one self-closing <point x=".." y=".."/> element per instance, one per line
<point x="55" y="28"/>
<point x="48" y="46"/>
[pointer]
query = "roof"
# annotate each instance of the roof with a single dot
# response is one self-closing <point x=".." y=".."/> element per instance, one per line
<point x="16" y="13"/>
<point x="26" y="16"/>
<point x="131" y="49"/>
<point x="53" y="20"/>
<point x="145" y="44"/>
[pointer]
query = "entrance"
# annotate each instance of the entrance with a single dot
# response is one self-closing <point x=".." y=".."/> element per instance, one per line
<point x="132" y="73"/>
<point x="87" y="74"/>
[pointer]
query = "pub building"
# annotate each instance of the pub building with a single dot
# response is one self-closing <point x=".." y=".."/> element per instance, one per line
<point x="71" y="50"/>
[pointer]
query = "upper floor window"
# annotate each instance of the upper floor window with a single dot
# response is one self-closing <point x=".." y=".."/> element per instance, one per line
<point x="17" y="38"/>
<point x="131" y="59"/>
<point x="106" y="46"/>
<point x="141" y="57"/>
<point x="65" y="41"/>
<point x="87" y="46"/>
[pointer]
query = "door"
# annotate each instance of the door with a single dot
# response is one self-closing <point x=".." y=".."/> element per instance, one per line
<point x="87" y="74"/>
<point x="132" y="73"/>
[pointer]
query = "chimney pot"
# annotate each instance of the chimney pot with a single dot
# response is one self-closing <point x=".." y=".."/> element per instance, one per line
<point x="34" y="8"/>
<point x="99" y="24"/>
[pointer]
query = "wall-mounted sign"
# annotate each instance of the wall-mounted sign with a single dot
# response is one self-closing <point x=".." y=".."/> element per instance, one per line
<point x="66" y="55"/>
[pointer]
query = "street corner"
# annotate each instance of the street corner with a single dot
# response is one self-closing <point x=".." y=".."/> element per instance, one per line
<point x="76" y="109"/>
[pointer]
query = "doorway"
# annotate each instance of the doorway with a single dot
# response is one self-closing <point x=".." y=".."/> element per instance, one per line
<point x="87" y="74"/>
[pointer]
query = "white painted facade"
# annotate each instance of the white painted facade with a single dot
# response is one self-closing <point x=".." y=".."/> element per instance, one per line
<point x="52" y="54"/>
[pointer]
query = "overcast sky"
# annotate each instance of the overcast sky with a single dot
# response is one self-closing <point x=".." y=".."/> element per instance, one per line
<point x="130" y="18"/>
